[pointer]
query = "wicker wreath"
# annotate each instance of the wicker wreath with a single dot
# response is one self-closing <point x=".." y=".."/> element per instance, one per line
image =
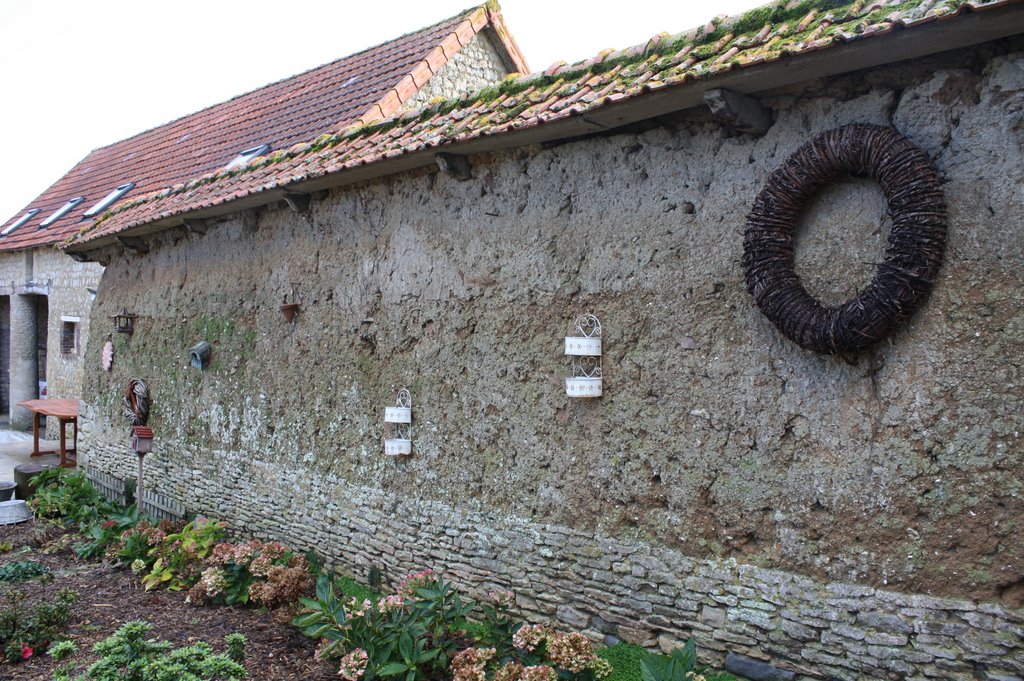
<point x="917" y="239"/>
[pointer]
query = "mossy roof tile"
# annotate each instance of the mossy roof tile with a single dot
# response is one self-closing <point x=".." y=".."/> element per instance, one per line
<point x="286" y="114"/>
<point x="762" y="35"/>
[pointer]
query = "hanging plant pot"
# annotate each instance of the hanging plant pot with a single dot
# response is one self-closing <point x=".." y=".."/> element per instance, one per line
<point x="398" y="415"/>
<point x="583" y="346"/>
<point x="398" y="447"/>
<point x="583" y="387"/>
<point x="289" y="310"/>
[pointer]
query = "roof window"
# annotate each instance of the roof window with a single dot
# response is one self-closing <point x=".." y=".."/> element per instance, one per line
<point x="62" y="211"/>
<point x="31" y="213"/>
<point x="244" y="157"/>
<point x="109" y="199"/>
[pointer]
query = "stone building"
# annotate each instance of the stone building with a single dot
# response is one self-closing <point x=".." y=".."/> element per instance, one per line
<point x="847" y="517"/>
<point x="45" y="296"/>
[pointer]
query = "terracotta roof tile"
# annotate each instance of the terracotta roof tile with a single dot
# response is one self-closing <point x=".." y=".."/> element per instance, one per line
<point x="285" y="115"/>
<point x="763" y="35"/>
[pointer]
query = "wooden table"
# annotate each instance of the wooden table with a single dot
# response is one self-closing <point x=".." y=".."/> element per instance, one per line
<point x="65" y="411"/>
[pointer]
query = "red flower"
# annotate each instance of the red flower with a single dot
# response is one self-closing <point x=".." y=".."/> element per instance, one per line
<point x="26" y="652"/>
<point x="107" y="524"/>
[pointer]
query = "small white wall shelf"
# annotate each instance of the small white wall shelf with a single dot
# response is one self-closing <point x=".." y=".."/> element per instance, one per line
<point x="585" y="349"/>
<point x="401" y="416"/>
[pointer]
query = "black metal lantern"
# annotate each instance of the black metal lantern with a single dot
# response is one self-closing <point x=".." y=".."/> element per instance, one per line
<point x="124" y="321"/>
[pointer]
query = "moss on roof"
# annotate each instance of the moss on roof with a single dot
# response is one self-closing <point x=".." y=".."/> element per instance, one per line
<point x="760" y="34"/>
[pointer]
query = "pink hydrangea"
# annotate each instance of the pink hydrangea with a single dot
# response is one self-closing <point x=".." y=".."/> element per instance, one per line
<point x="539" y="672"/>
<point x="353" y="665"/>
<point x="470" y="664"/>
<point x="572" y="652"/>
<point x="390" y="603"/>
<point x="530" y="636"/>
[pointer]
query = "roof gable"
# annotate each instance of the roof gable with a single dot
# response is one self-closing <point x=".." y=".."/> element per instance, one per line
<point x="363" y="87"/>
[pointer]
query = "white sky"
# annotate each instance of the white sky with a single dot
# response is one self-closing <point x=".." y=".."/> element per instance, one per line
<point x="81" y="74"/>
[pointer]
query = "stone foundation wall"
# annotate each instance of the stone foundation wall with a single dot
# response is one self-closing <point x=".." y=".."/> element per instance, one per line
<point x="606" y="587"/>
<point x="779" y="503"/>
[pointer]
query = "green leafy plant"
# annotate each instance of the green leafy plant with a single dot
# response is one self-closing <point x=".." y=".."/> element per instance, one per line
<point x="236" y="646"/>
<point x="681" y="665"/>
<point x="178" y="557"/>
<point x="625" y="661"/>
<point x="25" y="630"/>
<point x="420" y="632"/>
<point x="61" y="650"/>
<point x="67" y="496"/>
<point x="105" y="533"/>
<point x="22" y="570"/>
<point x="129" y="655"/>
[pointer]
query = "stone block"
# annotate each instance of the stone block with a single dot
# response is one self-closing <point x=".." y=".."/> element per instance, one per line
<point x="756" y="670"/>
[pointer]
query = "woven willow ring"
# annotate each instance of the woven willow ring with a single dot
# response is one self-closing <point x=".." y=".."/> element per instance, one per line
<point x="913" y="256"/>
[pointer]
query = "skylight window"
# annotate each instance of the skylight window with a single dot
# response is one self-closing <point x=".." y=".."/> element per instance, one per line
<point x="244" y="157"/>
<point x="31" y="213"/>
<point x="62" y="211"/>
<point x="109" y="199"/>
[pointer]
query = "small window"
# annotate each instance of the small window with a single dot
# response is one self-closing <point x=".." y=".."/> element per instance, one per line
<point x="244" y="157"/>
<point x="109" y="199"/>
<point x="31" y="213"/>
<point x="69" y="339"/>
<point x="62" y="211"/>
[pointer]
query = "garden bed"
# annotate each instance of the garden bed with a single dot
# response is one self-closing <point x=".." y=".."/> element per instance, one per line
<point x="109" y="597"/>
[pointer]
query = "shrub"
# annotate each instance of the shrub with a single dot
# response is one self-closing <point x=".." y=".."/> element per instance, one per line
<point x="23" y="630"/>
<point x="105" y="533"/>
<point x="625" y="660"/>
<point x="268" y="574"/>
<point x="22" y="570"/>
<point x="177" y="558"/>
<point x="69" y="497"/>
<point x="62" y="650"/>
<point x="681" y="665"/>
<point x="236" y="646"/>
<point x="128" y="655"/>
<point x="420" y="632"/>
<point x="413" y="632"/>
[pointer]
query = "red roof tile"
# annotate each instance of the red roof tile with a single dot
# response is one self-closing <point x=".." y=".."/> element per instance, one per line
<point x="767" y="34"/>
<point x="365" y="86"/>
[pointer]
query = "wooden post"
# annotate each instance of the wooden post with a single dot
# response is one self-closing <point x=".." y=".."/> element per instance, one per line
<point x="138" y="485"/>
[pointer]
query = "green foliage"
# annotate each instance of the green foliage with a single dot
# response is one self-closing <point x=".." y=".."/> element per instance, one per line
<point x="22" y="570"/>
<point x="68" y="496"/>
<point x="352" y="589"/>
<point x="102" y="534"/>
<point x="6" y="546"/>
<point x="625" y="660"/>
<point x="421" y="632"/>
<point x="412" y="635"/>
<point x="177" y="558"/>
<point x="128" y="655"/>
<point x="25" y="629"/>
<point x="236" y="647"/>
<point x="62" y="650"/>
<point x="681" y="665"/>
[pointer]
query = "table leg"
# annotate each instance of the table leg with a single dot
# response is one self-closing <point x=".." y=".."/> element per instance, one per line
<point x="35" y="435"/>
<point x="63" y="444"/>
